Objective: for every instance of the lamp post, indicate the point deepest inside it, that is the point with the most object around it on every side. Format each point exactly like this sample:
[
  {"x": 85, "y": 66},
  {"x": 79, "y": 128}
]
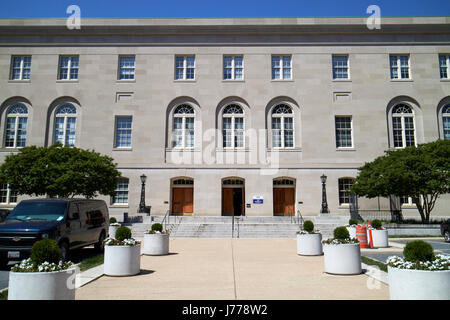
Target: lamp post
[
  {"x": 324, "y": 208},
  {"x": 142, "y": 207}
]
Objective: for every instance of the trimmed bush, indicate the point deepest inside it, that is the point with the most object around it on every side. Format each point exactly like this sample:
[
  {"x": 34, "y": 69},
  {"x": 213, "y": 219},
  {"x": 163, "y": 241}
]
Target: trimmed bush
[
  {"x": 341, "y": 233},
  {"x": 376, "y": 224},
  {"x": 112, "y": 220},
  {"x": 157, "y": 227},
  {"x": 46, "y": 250},
  {"x": 352, "y": 222},
  {"x": 418, "y": 250},
  {"x": 308, "y": 226},
  {"x": 123, "y": 233}
]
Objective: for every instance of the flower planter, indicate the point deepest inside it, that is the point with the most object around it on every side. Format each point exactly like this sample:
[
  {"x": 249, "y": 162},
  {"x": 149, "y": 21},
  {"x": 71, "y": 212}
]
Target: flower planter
[
  {"x": 342, "y": 258},
  {"x": 55, "y": 285},
  {"x": 156, "y": 244},
  {"x": 379, "y": 237},
  {"x": 122, "y": 260},
  {"x": 112, "y": 231},
  {"x": 407, "y": 284},
  {"x": 352, "y": 232},
  {"x": 309, "y": 244}
]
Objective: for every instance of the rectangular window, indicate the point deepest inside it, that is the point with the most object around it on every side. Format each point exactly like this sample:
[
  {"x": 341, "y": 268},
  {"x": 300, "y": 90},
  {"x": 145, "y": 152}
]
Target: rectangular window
[
  {"x": 281, "y": 68},
  {"x": 399, "y": 66},
  {"x": 121, "y": 192},
  {"x": 343, "y": 125},
  {"x": 446, "y": 127},
  {"x": 16, "y": 132},
  {"x": 7, "y": 195},
  {"x": 345, "y": 185},
  {"x": 68, "y": 68},
  {"x": 184, "y": 67},
  {"x": 126, "y": 67},
  {"x": 444, "y": 63},
  {"x": 406, "y": 201},
  {"x": 233, "y": 67},
  {"x": 123, "y": 132},
  {"x": 20, "y": 68},
  {"x": 340, "y": 67}
]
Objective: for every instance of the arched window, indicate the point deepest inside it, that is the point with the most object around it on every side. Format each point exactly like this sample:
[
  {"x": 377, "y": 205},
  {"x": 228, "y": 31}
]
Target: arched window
[
  {"x": 446, "y": 121},
  {"x": 65, "y": 124},
  {"x": 282, "y": 127},
  {"x": 233, "y": 126},
  {"x": 16, "y": 126},
  {"x": 183, "y": 126},
  {"x": 403, "y": 126}
]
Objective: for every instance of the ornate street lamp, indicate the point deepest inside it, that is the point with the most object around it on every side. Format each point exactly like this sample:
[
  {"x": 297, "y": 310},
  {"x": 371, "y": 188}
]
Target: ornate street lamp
[
  {"x": 142, "y": 207},
  {"x": 324, "y": 208}
]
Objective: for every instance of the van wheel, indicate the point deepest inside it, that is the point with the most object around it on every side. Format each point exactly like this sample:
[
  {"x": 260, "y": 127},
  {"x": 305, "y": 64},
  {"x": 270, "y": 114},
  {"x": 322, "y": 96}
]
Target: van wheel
[
  {"x": 64, "y": 248},
  {"x": 447, "y": 236},
  {"x": 100, "y": 245}
]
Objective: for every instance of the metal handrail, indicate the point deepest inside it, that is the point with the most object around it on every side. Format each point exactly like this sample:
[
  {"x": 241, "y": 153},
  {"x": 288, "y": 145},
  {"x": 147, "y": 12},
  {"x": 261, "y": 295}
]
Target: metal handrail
[
  {"x": 164, "y": 222},
  {"x": 300, "y": 219}
]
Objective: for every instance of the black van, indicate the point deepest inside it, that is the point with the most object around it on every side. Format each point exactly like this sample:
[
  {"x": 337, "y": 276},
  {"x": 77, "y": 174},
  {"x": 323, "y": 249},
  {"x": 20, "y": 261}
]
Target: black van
[{"x": 73, "y": 223}]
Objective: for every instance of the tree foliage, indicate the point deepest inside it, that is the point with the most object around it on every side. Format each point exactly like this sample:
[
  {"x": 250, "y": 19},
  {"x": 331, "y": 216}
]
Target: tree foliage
[
  {"x": 59, "y": 171},
  {"x": 422, "y": 173}
]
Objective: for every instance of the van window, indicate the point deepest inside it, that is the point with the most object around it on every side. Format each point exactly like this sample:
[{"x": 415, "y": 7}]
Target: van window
[{"x": 47, "y": 211}]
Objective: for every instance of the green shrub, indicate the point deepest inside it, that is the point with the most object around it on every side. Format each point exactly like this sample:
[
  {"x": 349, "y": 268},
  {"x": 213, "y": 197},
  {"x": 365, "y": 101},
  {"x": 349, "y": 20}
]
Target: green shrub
[
  {"x": 157, "y": 227},
  {"x": 112, "y": 220},
  {"x": 376, "y": 224},
  {"x": 46, "y": 250},
  {"x": 308, "y": 226},
  {"x": 123, "y": 233},
  {"x": 341, "y": 233},
  {"x": 418, "y": 250},
  {"x": 352, "y": 222}
]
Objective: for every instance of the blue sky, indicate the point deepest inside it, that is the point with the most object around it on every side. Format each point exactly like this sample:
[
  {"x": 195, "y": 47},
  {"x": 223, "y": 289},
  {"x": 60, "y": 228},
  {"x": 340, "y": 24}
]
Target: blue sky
[{"x": 221, "y": 8}]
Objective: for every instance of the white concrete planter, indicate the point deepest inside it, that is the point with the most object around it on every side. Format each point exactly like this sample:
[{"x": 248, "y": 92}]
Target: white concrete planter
[
  {"x": 342, "y": 258},
  {"x": 156, "y": 244},
  {"x": 379, "y": 237},
  {"x": 405, "y": 284},
  {"x": 122, "y": 260},
  {"x": 112, "y": 231},
  {"x": 55, "y": 285},
  {"x": 352, "y": 231},
  {"x": 309, "y": 244}
]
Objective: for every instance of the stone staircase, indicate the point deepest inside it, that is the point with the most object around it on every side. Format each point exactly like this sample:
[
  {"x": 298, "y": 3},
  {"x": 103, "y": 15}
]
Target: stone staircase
[{"x": 244, "y": 227}]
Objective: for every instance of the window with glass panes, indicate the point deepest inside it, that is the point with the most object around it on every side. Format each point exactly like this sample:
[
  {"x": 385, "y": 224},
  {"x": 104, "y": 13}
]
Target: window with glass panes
[
  {"x": 126, "y": 67},
  {"x": 123, "y": 132},
  {"x": 444, "y": 64},
  {"x": 233, "y": 126},
  {"x": 233, "y": 68},
  {"x": 282, "y": 127},
  {"x": 344, "y": 190},
  {"x": 65, "y": 125},
  {"x": 403, "y": 126},
  {"x": 121, "y": 192},
  {"x": 340, "y": 67},
  {"x": 399, "y": 66},
  {"x": 183, "y": 126},
  {"x": 343, "y": 126},
  {"x": 7, "y": 195},
  {"x": 184, "y": 67},
  {"x": 68, "y": 68},
  {"x": 16, "y": 126},
  {"x": 446, "y": 121},
  {"x": 281, "y": 67},
  {"x": 21, "y": 68}
]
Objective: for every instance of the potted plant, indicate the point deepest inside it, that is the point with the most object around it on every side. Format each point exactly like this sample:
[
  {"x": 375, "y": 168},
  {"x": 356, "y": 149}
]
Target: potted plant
[
  {"x": 113, "y": 226},
  {"x": 122, "y": 254},
  {"x": 309, "y": 243},
  {"x": 379, "y": 234},
  {"x": 43, "y": 276},
  {"x": 156, "y": 241},
  {"x": 351, "y": 227},
  {"x": 420, "y": 274},
  {"x": 342, "y": 254}
]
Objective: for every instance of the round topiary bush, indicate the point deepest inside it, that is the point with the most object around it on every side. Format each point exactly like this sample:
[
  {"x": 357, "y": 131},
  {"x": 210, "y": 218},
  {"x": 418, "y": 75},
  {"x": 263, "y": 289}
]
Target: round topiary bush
[
  {"x": 308, "y": 226},
  {"x": 341, "y": 233},
  {"x": 418, "y": 250},
  {"x": 46, "y": 250},
  {"x": 376, "y": 224},
  {"x": 112, "y": 220},
  {"x": 352, "y": 222},
  {"x": 157, "y": 227},
  {"x": 123, "y": 233}
]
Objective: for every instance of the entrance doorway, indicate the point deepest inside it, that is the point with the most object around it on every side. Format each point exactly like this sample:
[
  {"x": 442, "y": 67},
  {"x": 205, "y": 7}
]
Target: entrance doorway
[
  {"x": 183, "y": 197},
  {"x": 233, "y": 197},
  {"x": 284, "y": 197}
]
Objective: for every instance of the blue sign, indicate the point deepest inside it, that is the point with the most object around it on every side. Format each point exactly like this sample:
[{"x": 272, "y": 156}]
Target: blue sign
[{"x": 258, "y": 199}]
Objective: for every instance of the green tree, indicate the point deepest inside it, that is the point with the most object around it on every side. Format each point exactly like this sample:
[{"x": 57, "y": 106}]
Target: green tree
[
  {"x": 421, "y": 173},
  {"x": 58, "y": 171}
]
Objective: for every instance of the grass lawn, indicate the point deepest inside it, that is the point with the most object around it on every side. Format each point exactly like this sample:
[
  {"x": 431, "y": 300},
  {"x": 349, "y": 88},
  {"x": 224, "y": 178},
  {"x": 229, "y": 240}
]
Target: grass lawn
[
  {"x": 372, "y": 262},
  {"x": 91, "y": 262},
  {"x": 413, "y": 236}
]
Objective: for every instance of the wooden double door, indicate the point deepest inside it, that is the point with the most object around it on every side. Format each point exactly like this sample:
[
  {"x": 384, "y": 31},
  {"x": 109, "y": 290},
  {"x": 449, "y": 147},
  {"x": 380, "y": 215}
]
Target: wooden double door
[
  {"x": 183, "y": 201},
  {"x": 233, "y": 201},
  {"x": 283, "y": 201}
]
